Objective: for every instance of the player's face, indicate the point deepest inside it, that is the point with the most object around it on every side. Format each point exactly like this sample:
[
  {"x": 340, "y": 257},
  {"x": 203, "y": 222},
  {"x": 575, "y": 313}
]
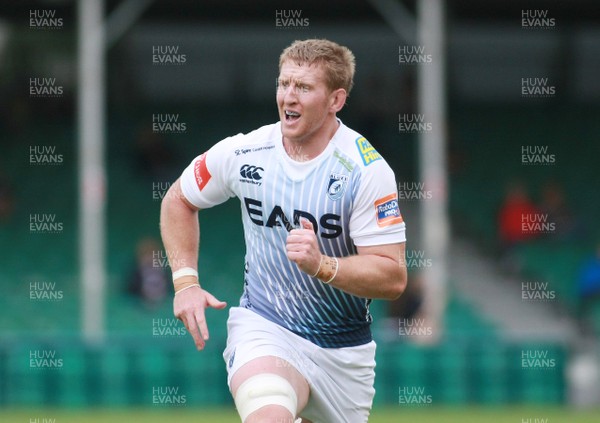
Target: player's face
[{"x": 304, "y": 102}]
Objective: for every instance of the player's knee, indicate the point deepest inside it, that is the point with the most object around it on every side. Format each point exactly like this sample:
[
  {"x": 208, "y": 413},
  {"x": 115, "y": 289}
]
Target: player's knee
[
  {"x": 271, "y": 414},
  {"x": 263, "y": 390}
]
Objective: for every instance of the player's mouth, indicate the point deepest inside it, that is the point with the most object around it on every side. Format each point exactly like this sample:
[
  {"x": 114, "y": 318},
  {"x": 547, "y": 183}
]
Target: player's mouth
[{"x": 291, "y": 116}]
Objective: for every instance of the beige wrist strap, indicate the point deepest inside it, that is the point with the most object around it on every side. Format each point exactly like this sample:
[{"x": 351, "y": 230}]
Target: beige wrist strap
[
  {"x": 185, "y": 282},
  {"x": 328, "y": 269}
]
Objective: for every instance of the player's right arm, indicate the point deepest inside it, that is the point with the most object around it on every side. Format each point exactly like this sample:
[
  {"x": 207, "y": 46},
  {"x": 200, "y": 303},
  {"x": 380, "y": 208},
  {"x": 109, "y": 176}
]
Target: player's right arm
[
  {"x": 203, "y": 184},
  {"x": 180, "y": 231}
]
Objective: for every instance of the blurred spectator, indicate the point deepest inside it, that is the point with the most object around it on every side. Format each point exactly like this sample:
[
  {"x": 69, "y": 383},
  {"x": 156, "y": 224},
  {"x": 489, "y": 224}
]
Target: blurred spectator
[
  {"x": 516, "y": 206},
  {"x": 588, "y": 283},
  {"x": 404, "y": 310},
  {"x": 555, "y": 207},
  {"x": 512, "y": 216},
  {"x": 456, "y": 153},
  {"x": 148, "y": 279},
  {"x": 7, "y": 202},
  {"x": 409, "y": 303},
  {"x": 14, "y": 114},
  {"x": 152, "y": 156}
]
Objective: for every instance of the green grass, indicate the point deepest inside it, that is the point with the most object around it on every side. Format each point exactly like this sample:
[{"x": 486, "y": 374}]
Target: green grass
[{"x": 388, "y": 415}]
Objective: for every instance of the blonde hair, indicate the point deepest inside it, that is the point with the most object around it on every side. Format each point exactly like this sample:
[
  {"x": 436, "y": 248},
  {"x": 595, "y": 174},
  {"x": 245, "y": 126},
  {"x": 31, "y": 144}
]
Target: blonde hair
[{"x": 338, "y": 61}]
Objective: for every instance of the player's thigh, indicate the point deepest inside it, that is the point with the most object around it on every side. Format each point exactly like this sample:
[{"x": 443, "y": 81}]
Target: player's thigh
[{"x": 273, "y": 365}]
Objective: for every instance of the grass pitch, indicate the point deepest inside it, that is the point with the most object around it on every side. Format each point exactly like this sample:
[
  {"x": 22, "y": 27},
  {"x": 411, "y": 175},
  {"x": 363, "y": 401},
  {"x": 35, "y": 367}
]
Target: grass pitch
[{"x": 383, "y": 415}]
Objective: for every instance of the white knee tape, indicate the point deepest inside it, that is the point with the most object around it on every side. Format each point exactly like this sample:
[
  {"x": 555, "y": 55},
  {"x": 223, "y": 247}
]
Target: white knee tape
[{"x": 265, "y": 389}]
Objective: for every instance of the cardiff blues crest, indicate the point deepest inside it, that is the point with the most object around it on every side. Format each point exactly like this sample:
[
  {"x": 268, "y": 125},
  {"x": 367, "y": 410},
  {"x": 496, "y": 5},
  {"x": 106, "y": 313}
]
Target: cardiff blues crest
[{"x": 336, "y": 186}]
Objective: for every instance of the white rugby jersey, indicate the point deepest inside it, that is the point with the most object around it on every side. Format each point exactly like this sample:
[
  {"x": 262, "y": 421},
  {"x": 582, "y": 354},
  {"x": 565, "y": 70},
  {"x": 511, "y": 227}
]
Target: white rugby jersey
[{"x": 348, "y": 193}]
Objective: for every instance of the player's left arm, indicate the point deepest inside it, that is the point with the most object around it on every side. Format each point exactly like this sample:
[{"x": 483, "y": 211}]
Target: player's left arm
[
  {"x": 377, "y": 229},
  {"x": 377, "y": 271}
]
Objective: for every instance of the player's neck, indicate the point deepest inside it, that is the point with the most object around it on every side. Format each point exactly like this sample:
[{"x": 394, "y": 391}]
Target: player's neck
[{"x": 305, "y": 149}]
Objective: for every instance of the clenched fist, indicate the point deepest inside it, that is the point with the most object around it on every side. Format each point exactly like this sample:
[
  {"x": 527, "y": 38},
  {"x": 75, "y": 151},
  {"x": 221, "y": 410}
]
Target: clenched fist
[{"x": 303, "y": 248}]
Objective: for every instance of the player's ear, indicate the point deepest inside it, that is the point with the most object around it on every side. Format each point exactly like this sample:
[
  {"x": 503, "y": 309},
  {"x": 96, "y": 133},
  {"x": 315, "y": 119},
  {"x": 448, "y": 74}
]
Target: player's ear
[{"x": 337, "y": 99}]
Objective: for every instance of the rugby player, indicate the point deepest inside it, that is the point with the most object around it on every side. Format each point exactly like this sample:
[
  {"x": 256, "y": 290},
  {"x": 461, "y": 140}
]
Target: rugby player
[{"x": 324, "y": 236}]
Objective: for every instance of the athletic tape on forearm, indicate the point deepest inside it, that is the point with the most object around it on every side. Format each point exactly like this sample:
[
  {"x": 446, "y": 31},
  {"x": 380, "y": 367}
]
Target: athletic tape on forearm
[
  {"x": 185, "y": 282},
  {"x": 184, "y": 271},
  {"x": 328, "y": 269}
]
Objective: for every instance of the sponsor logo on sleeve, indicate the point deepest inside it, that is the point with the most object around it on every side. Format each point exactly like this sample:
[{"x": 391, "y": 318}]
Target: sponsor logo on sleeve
[
  {"x": 388, "y": 211},
  {"x": 336, "y": 186},
  {"x": 201, "y": 172},
  {"x": 367, "y": 151}
]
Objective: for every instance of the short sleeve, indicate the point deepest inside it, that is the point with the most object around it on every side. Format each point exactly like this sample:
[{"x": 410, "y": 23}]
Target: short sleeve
[
  {"x": 376, "y": 217},
  {"x": 207, "y": 182}
]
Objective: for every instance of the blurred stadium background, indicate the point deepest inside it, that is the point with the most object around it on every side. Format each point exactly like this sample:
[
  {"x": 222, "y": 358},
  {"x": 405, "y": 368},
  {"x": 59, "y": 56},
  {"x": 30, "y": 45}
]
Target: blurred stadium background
[{"x": 509, "y": 333}]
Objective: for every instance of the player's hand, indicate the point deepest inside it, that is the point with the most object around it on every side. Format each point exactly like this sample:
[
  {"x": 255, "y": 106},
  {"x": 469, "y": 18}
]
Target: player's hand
[
  {"x": 189, "y": 306},
  {"x": 303, "y": 248}
]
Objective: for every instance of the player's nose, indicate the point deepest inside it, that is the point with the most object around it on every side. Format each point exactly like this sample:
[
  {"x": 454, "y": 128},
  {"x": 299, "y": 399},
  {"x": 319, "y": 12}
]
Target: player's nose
[{"x": 290, "y": 95}]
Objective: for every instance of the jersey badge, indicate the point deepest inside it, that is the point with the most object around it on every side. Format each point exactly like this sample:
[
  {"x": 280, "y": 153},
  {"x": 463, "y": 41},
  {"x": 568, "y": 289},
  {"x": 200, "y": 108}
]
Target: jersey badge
[
  {"x": 336, "y": 186},
  {"x": 387, "y": 211}
]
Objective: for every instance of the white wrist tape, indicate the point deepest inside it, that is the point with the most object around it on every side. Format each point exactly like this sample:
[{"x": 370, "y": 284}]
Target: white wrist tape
[{"x": 184, "y": 271}]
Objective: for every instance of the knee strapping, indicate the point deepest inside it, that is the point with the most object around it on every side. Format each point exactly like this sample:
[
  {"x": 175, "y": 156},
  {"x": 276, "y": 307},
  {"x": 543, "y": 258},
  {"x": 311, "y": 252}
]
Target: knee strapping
[{"x": 265, "y": 389}]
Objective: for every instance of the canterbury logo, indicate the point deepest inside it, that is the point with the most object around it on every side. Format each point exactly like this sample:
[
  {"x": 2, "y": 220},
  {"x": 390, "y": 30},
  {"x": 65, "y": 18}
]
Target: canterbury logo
[{"x": 251, "y": 172}]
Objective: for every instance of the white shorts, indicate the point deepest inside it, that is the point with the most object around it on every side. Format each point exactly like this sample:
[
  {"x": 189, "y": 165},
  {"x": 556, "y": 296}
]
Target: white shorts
[{"x": 340, "y": 379}]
